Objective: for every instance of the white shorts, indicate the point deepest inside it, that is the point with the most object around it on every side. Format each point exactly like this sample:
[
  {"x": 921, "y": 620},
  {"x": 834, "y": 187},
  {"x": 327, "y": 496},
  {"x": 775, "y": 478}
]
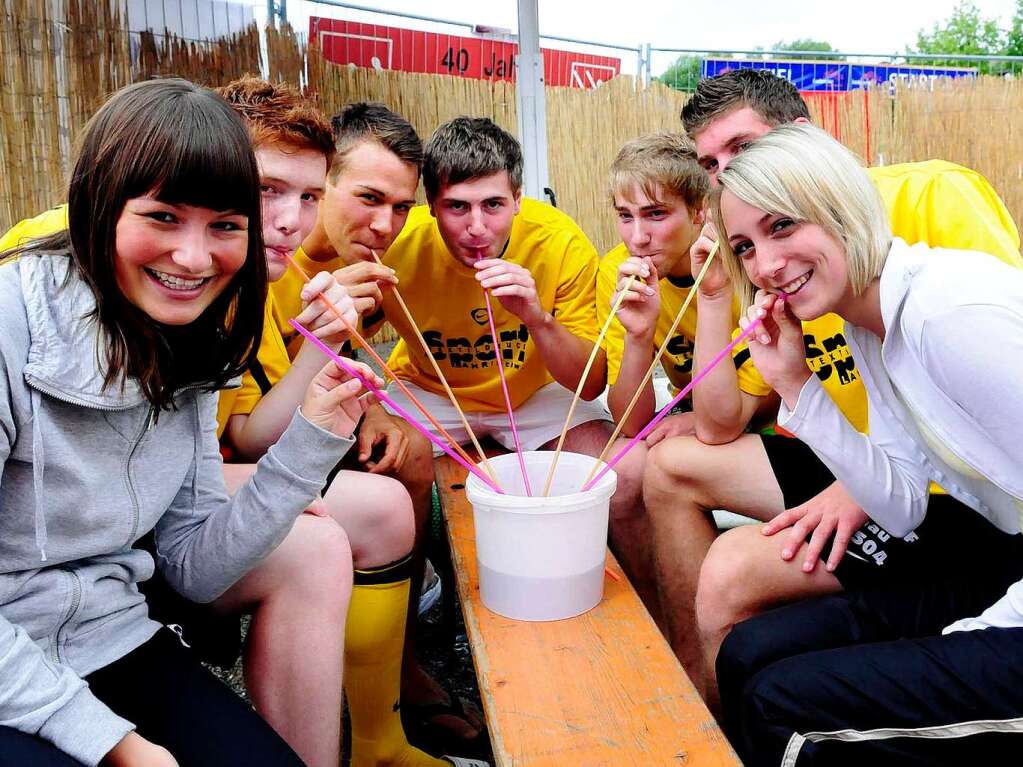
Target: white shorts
[{"x": 539, "y": 419}]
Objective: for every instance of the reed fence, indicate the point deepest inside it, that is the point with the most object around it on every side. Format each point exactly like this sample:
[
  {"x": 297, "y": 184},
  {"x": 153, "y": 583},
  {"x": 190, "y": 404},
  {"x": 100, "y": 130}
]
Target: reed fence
[{"x": 60, "y": 58}]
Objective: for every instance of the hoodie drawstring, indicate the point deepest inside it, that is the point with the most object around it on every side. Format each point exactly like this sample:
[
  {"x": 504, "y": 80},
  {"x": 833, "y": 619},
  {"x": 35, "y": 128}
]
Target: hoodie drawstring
[{"x": 38, "y": 467}]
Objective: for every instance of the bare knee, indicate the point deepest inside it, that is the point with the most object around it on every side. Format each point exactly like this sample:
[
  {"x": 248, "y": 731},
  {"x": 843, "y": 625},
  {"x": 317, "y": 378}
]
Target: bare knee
[
  {"x": 318, "y": 561},
  {"x": 376, "y": 512},
  {"x": 627, "y": 502},
  {"x": 728, "y": 590},
  {"x": 587, "y": 438},
  {"x": 416, "y": 473},
  {"x": 677, "y": 469}
]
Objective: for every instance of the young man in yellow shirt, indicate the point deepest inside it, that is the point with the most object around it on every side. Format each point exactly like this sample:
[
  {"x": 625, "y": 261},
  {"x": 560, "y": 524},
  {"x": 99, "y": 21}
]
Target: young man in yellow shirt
[
  {"x": 658, "y": 191},
  {"x": 705, "y": 589},
  {"x": 369, "y": 194},
  {"x": 479, "y": 233}
]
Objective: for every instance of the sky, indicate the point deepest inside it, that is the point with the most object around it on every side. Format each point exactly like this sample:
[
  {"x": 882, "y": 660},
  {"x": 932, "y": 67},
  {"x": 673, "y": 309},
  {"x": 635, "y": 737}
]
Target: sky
[{"x": 863, "y": 26}]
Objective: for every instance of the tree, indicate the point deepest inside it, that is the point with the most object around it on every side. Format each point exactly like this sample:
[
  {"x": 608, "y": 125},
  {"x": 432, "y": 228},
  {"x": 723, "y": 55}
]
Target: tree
[
  {"x": 808, "y": 44},
  {"x": 683, "y": 74},
  {"x": 1014, "y": 38},
  {"x": 964, "y": 32}
]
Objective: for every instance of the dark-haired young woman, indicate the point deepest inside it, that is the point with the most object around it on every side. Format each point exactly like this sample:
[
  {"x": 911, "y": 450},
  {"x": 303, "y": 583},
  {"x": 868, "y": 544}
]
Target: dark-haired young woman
[{"x": 117, "y": 334}]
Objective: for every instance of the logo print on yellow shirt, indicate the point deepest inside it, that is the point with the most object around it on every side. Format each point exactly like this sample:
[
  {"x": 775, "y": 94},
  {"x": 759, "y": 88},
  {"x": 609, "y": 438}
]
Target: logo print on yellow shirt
[
  {"x": 462, "y": 352},
  {"x": 830, "y": 356},
  {"x": 479, "y": 315},
  {"x": 681, "y": 349}
]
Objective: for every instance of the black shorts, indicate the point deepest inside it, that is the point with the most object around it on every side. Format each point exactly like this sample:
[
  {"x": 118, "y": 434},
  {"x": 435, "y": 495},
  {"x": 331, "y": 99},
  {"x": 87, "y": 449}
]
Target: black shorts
[{"x": 952, "y": 537}]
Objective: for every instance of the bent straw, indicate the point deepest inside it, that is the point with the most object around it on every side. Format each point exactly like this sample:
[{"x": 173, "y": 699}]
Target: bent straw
[
  {"x": 436, "y": 369},
  {"x": 376, "y": 358},
  {"x": 653, "y": 365},
  {"x": 582, "y": 382},
  {"x": 382, "y": 396},
  {"x": 678, "y": 397},
  {"x": 499, "y": 356}
]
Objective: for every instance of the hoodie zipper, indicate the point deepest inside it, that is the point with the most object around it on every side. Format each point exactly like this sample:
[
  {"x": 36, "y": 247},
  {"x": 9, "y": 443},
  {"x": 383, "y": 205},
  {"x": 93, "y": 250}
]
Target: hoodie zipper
[
  {"x": 147, "y": 426},
  {"x": 76, "y": 601}
]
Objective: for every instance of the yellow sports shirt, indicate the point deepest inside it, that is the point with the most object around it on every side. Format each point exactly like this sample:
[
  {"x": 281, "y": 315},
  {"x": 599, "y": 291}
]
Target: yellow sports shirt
[
  {"x": 43, "y": 225},
  {"x": 937, "y": 202},
  {"x": 272, "y": 362},
  {"x": 447, "y": 303},
  {"x": 272, "y": 358},
  {"x": 678, "y": 355},
  {"x": 287, "y": 291}
]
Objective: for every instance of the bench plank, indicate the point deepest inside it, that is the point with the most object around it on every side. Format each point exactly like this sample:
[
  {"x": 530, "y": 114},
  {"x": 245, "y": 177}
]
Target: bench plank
[{"x": 600, "y": 690}]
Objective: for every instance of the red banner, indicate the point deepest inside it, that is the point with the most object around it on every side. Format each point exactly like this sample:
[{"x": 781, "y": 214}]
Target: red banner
[{"x": 407, "y": 50}]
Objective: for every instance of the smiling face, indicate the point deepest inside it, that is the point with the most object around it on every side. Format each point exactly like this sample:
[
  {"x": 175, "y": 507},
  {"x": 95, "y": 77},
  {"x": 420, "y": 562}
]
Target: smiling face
[
  {"x": 475, "y": 217},
  {"x": 291, "y": 183},
  {"x": 172, "y": 261},
  {"x": 724, "y": 137},
  {"x": 782, "y": 255},
  {"x": 662, "y": 229},
  {"x": 366, "y": 205}
]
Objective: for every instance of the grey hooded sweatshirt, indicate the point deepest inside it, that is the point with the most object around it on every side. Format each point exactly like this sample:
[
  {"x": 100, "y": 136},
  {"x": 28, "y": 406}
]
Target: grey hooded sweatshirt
[{"x": 89, "y": 470}]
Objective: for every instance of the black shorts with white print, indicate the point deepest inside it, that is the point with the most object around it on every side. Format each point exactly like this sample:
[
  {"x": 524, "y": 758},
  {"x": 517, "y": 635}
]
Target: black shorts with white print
[{"x": 952, "y": 536}]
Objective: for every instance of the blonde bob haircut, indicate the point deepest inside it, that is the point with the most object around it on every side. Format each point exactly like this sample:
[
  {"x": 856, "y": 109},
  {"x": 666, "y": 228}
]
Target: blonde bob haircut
[
  {"x": 665, "y": 160},
  {"x": 801, "y": 172}
]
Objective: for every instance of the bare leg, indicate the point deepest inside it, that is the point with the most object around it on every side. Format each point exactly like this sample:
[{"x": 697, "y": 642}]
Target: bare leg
[
  {"x": 743, "y": 574},
  {"x": 298, "y": 597},
  {"x": 295, "y": 649},
  {"x": 684, "y": 481}
]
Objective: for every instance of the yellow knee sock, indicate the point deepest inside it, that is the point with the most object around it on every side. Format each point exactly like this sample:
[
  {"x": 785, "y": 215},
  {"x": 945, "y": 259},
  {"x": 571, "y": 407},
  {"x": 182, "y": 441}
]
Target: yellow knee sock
[{"x": 374, "y": 640}]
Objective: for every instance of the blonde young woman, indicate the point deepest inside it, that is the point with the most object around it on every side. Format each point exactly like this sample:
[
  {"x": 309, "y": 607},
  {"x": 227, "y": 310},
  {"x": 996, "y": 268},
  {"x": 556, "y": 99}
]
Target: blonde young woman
[{"x": 919, "y": 673}]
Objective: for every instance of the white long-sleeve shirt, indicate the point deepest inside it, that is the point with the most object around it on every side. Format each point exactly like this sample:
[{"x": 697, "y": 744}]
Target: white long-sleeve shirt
[{"x": 952, "y": 358}]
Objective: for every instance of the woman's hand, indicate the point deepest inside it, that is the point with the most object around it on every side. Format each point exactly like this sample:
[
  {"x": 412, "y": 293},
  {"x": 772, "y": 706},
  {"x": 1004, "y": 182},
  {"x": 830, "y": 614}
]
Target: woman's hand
[
  {"x": 642, "y": 303},
  {"x": 831, "y": 512},
  {"x": 319, "y": 318},
  {"x": 333, "y": 399},
  {"x": 777, "y": 345},
  {"x": 135, "y": 751}
]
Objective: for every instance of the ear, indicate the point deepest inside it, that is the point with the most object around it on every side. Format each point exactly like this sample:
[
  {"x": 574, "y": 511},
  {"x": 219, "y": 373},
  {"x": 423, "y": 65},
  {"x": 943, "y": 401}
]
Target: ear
[
  {"x": 699, "y": 216},
  {"x": 518, "y": 200},
  {"x": 429, "y": 204}
]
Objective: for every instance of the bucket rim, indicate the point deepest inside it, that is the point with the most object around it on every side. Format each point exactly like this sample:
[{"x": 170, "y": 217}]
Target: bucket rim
[{"x": 478, "y": 491}]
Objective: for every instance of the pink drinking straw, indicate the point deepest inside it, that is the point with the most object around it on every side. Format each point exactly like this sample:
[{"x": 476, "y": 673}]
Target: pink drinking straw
[
  {"x": 504, "y": 385},
  {"x": 678, "y": 398},
  {"x": 393, "y": 405}
]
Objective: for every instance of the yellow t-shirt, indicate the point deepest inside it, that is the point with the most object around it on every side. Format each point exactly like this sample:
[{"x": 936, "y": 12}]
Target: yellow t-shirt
[
  {"x": 272, "y": 358},
  {"x": 43, "y": 225},
  {"x": 272, "y": 362},
  {"x": 287, "y": 291},
  {"x": 937, "y": 202},
  {"x": 447, "y": 303},
  {"x": 678, "y": 355}
]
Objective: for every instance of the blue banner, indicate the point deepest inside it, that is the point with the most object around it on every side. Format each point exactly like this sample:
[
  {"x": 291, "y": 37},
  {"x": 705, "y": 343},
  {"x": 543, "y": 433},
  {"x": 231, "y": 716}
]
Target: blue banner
[{"x": 837, "y": 76}]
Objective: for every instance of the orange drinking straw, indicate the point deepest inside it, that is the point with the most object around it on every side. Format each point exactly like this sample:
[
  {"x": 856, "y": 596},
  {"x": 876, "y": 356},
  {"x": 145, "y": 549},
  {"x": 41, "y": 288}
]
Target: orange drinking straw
[
  {"x": 440, "y": 375},
  {"x": 376, "y": 357}
]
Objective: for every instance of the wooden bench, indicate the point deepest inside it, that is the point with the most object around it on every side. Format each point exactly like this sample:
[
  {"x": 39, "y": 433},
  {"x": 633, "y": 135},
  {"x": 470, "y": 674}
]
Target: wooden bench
[{"x": 600, "y": 690}]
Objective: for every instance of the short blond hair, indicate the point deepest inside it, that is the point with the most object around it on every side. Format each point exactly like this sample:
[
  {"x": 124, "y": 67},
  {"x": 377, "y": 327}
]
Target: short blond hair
[
  {"x": 802, "y": 172},
  {"x": 660, "y": 159}
]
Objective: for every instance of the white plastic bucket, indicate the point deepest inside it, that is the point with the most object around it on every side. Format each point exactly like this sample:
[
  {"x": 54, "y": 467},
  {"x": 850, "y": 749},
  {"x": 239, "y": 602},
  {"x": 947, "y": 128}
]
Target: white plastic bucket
[{"x": 541, "y": 559}]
